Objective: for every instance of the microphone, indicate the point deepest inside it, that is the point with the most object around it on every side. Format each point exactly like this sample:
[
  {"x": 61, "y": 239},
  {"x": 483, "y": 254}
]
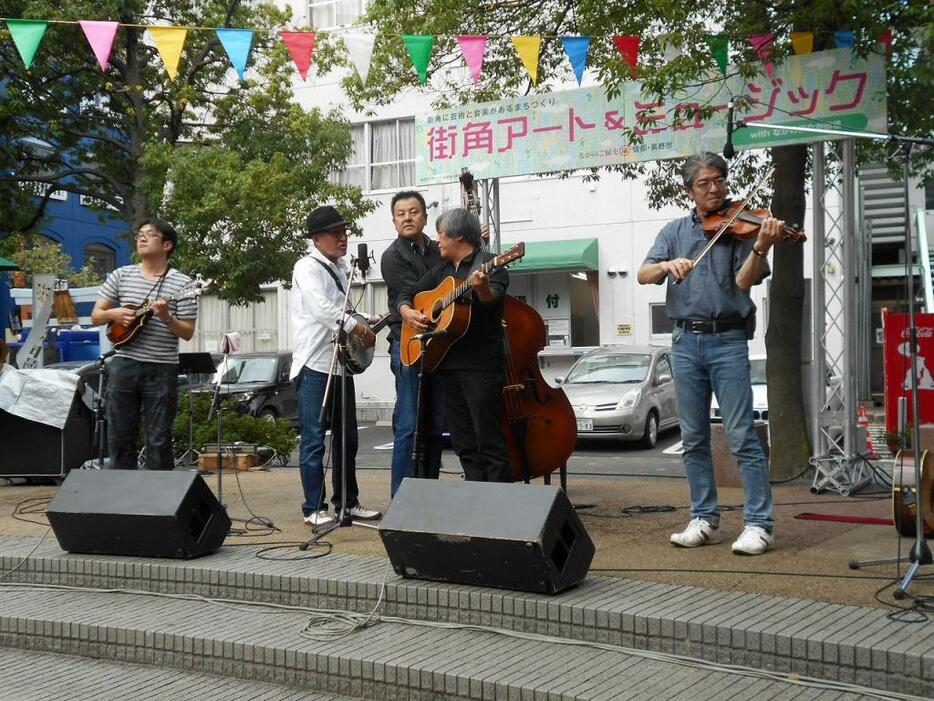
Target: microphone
[
  {"x": 429, "y": 334},
  {"x": 728, "y": 150},
  {"x": 431, "y": 205},
  {"x": 363, "y": 258}
]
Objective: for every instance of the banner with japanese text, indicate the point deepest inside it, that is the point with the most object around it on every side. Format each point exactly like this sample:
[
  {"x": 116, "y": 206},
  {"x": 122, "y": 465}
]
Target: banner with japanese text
[{"x": 584, "y": 129}]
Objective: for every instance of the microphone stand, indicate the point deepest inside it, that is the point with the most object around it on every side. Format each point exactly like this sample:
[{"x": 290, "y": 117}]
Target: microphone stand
[
  {"x": 920, "y": 552},
  {"x": 344, "y": 519},
  {"x": 418, "y": 440},
  {"x": 100, "y": 419},
  {"x": 217, "y": 407}
]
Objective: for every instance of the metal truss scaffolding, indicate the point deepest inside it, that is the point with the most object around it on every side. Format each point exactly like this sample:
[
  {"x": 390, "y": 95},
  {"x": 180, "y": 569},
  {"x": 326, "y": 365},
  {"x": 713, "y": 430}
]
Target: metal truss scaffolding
[{"x": 836, "y": 300}]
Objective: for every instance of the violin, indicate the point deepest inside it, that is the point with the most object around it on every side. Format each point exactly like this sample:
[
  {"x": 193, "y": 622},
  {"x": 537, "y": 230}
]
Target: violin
[
  {"x": 744, "y": 223},
  {"x": 739, "y": 220}
]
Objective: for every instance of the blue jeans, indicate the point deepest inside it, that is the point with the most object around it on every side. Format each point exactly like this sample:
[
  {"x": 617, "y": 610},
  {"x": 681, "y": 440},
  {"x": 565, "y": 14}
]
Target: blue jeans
[
  {"x": 719, "y": 362},
  {"x": 150, "y": 389},
  {"x": 309, "y": 387},
  {"x": 403, "y": 420}
]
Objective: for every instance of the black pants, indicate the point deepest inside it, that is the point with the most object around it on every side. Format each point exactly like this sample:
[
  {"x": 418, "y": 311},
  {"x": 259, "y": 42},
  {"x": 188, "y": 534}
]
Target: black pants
[
  {"x": 474, "y": 407},
  {"x": 150, "y": 389}
]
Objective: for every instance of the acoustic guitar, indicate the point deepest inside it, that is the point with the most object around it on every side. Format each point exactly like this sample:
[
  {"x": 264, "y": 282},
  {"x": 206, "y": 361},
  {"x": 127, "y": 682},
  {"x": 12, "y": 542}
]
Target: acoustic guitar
[
  {"x": 906, "y": 497},
  {"x": 447, "y": 311},
  {"x": 120, "y": 335}
]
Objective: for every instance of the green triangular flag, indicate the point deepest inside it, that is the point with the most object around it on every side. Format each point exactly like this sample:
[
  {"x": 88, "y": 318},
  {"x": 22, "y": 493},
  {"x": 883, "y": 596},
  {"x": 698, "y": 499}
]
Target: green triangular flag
[
  {"x": 27, "y": 35},
  {"x": 419, "y": 48},
  {"x": 718, "y": 43}
]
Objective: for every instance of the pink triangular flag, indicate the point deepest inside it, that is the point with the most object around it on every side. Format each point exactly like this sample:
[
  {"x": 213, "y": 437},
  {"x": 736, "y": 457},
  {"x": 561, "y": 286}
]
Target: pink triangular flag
[
  {"x": 100, "y": 36},
  {"x": 473, "y": 47},
  {"x": 762, "y": 43}
]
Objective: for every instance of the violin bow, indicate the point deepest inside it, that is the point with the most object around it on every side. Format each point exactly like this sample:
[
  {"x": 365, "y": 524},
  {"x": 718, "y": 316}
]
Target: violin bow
[{"x": 729, "y": 222}]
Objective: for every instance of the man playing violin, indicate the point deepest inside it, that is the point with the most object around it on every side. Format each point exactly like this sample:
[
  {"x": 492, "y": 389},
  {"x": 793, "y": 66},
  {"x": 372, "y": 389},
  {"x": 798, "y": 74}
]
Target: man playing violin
[
  {"x": 473, "y": 370},
  {"x": 142, "y": 379},
  {"x": 711, "y": 308},
  {"x": 316, "y": 305}
]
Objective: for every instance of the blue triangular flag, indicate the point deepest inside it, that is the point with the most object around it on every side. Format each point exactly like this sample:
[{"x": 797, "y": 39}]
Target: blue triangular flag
[
  {"x": 576, "y": 48},
  {"x": 843, "y": 39},
  {"x": 236, "y": 43}
]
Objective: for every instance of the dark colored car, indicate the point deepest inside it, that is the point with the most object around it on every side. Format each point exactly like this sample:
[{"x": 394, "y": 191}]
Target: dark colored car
[{"x": 259, "y": 383}]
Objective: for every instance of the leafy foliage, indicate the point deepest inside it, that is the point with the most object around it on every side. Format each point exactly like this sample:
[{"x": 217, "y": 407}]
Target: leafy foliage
[
  {"x": 233, "y": 165},
  {"x": 46, "y": 257}
]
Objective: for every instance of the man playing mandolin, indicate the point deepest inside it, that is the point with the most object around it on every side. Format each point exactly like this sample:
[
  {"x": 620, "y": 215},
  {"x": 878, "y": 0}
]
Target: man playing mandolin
[
  {"x": 710, "y": 305},
  {"x": 473, "y": 368},
  {"x": 143, "y": 377}
]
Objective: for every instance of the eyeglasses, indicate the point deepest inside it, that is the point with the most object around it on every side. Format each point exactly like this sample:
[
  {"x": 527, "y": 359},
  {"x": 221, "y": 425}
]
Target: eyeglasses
[
  {"x": 143, "y": 237},
  {"x": 705, "y": 184}
]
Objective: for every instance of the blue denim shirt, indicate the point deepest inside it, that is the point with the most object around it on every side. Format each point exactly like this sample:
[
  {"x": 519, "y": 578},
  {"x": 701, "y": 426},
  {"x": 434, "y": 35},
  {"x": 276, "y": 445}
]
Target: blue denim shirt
[{"x": 710, "y": 290}]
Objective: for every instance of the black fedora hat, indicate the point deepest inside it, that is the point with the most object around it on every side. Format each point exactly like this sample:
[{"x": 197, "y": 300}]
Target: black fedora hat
[{"x": 323, "y": 218}]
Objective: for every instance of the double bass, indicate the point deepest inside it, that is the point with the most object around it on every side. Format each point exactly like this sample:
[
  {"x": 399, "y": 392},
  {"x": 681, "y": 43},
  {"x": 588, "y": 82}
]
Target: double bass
[{"x": 538, "y": 421}]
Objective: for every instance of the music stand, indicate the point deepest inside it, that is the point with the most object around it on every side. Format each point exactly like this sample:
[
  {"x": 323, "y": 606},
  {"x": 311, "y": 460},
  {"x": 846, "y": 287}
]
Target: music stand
[{"x": 189, "y": 364}]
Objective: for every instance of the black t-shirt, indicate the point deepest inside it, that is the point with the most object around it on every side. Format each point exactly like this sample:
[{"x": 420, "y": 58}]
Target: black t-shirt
[
  {"x": 481, "y": 348},
  {"x": 401, "y": 265}
]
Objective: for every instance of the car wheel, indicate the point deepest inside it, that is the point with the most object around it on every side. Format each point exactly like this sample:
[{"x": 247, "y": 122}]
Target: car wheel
[
  {"x": 267, "y": 415},
  {"x": 650, "y": 436}
]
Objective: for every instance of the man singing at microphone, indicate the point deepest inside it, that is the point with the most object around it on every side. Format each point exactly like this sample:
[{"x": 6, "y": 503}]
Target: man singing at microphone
[
  {"x": 319, "y": 283},
  {"x": 406, "y": 259},
  {"x": 473, "y": 370}
]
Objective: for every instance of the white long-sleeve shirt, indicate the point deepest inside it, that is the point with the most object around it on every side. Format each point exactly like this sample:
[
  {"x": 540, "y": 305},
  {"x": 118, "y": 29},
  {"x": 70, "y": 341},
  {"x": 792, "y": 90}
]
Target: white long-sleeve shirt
[{"x": 316, "y": 305}]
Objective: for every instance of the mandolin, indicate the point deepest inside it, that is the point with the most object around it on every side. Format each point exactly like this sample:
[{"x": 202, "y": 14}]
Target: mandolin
[
  {"x": 445, "y": 308},
  {"x": 120, "y": 335}
]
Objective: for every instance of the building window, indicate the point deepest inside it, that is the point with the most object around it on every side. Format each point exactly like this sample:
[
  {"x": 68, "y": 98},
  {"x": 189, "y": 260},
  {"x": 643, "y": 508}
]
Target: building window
[
  {"x": 929, "y": 195},
  {"x": 383, "y": 157},
  {"x": 661, "y": 324},
  {"x": 334, "y": 13},
  {"x": 101, "y": 258}
]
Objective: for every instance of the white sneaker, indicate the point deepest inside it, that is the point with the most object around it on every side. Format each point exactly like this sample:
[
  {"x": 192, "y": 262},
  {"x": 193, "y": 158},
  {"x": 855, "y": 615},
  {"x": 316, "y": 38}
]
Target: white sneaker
[
  {"x": 364, "y": 514},
  {"x": 319, "y": 518},
  {"x": 698, "y": 532},
  {"x": 754, "y": 540}
]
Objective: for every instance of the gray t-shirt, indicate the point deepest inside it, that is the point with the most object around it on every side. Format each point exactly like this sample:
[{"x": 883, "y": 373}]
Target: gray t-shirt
[
  {"x": 710, "y": 290},
  {"x": 154, "y": 343}
]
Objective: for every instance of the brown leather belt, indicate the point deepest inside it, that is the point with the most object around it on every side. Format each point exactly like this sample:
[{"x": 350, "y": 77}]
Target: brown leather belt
[{"x": 694, "y": 326}]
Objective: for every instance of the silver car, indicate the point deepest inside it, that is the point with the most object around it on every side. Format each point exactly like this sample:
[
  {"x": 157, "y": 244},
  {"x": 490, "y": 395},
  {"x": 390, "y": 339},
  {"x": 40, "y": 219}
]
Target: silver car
[{"x": 623, "y": 392}]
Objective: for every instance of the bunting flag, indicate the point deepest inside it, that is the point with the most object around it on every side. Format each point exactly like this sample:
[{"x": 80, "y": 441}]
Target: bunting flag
[
  {"x": 670, "y": 50},
  {"x": 719, "y": 48},
  {"x": 27, "y": 35},
  {"x": 576, "y": 48},
  {"x": 360, "y": 47},
  {"x": 528, "y": 49},
  {"x": 843, "y": 39},
  {"x": 419, "y": 48},
  {"x": 628, "y": 47},
  {"x": 100, "y": 36},
  {"x": 169, "y": 42},
  {"x": 300, "y": 46},
  {"x": 802, "y": 42},
  {"x": 236, "y": 43},
  {"x": 473, "y": 47},
  {"x": 762, "y": 43}
]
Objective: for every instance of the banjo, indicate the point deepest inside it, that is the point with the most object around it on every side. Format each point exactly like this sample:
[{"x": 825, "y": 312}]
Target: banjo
[{"x": 351, "y": 350}]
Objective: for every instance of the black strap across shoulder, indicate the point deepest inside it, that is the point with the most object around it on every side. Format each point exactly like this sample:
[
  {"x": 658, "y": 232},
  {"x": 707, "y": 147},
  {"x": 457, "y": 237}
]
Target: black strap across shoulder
[{"x": 331, "y": 273}]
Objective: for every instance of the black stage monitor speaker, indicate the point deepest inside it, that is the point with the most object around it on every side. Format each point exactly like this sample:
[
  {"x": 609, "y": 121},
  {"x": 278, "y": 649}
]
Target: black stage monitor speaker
[
  {"x": 31, "y": 449},
  {"x": 137, "y": 512},
  {"x": 513, "y": 536}
]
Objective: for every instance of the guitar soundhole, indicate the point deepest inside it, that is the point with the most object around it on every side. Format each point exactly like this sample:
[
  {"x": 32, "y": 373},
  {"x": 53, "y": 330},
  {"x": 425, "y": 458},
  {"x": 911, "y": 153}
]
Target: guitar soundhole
[{"x": 436, "y": 311}]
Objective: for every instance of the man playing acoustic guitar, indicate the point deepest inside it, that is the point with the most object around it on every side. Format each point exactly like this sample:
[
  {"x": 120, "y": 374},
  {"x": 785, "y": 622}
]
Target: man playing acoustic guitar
[
  {"x": 473, "y": 369},
  {"x": 143, "y": 375}
]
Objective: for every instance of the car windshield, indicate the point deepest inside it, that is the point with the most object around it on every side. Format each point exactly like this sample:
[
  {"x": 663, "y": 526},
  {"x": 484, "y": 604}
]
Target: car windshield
[
  {"x": 623, "y": 367},
  {"x": 757, "y": 371},
  {"x": 240, "y": 370}
]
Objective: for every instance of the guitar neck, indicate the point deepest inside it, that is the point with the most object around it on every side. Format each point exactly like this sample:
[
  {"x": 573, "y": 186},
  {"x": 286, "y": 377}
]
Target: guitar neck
[{"x": 462, "y": 289}]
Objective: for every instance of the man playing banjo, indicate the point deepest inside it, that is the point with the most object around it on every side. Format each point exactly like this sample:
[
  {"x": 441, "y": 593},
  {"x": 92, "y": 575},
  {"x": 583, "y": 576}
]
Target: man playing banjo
[{"x": 319, "y": 282}]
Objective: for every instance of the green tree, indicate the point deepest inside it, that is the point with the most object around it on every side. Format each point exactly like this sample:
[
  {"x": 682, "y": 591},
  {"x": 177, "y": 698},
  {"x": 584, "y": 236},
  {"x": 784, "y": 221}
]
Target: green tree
[
  {"x": 234, "y": 166},
  {"x": 909, "y": 85}
]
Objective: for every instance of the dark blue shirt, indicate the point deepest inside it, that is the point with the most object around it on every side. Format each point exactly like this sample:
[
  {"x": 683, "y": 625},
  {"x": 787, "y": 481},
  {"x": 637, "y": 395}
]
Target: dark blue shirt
[
  {"x": 709, "y": 291},
  {"x": 401, "y": 265}
]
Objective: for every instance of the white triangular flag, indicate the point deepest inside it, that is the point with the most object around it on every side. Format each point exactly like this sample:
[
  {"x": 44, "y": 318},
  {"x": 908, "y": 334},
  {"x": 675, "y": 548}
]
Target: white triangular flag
[{"x": 360, "y": 47}]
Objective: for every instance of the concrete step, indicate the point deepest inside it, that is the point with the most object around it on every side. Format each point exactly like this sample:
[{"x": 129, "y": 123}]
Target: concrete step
[
  {"x": 39, "y": 676},
  {"x": 387, "y": 661},
  {"x": 841, "y": 643}
]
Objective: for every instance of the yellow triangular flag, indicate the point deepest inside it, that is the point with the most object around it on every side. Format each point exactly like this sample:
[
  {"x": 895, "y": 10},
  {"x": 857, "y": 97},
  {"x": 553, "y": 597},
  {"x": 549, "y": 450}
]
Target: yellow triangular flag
[
  {"x": 802, "y": 42},
  {"x": 169, "y": 41},
  {"x": 528, "y": 48}
]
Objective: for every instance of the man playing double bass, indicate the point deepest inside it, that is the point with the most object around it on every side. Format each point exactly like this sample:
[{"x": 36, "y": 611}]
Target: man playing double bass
[
  {"x": 473, "y": 369},
  {"x": 711, "y": 310}
]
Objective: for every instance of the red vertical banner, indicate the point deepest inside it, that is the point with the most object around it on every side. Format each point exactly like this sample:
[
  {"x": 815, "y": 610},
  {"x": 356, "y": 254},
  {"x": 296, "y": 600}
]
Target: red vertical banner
[{"x": 898, "y": 367}]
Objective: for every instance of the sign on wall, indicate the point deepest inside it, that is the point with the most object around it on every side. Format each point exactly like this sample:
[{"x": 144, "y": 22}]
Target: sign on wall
[
  {"x": 898, "y": 367},
  {"x": 584, "y": 129}
]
